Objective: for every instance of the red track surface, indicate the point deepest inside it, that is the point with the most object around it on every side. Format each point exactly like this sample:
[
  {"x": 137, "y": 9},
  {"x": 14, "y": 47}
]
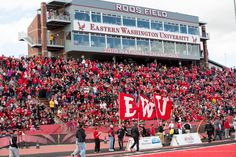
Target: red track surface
[{"x": 228, "y": 150}]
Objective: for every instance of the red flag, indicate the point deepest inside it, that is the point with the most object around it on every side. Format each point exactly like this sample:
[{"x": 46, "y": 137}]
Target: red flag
[
  {"x": 128, "y": 107},
  {"x": 146, "y": 108},
  {"x": 163, "y": 107}
]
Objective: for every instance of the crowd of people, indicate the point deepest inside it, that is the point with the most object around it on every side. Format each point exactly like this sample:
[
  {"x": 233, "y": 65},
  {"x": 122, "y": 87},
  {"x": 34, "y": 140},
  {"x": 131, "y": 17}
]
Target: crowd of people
[{"x": 87, "y": 90}]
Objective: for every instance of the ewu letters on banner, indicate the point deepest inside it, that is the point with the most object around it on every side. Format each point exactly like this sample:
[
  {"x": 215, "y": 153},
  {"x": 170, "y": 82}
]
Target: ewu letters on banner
[{"x": 146, "y": 110}]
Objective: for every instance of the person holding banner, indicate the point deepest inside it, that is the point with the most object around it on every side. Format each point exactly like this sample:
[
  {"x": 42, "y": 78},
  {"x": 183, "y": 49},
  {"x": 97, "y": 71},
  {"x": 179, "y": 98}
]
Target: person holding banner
[{"x": 135, "y": 135}]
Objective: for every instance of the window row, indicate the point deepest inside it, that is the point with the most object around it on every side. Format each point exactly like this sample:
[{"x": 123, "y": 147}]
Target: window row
[
  {"x": 135, "y": 22},
  {"x": 139, "y": 44}
]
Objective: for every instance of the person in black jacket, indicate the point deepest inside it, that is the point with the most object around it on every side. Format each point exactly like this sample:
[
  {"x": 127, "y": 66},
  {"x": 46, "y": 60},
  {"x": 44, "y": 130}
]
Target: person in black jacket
[
  {"x": 13, "y": 147},
  {"x": 209, "y": 128},
  {"x": 121, "y": 134},
  {"x": 135, "y": 135},
  {"x": 80, "y": 136}
]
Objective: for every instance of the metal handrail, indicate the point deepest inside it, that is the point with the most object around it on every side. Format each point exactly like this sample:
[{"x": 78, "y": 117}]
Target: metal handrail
[{"x": 58, "y": 17}]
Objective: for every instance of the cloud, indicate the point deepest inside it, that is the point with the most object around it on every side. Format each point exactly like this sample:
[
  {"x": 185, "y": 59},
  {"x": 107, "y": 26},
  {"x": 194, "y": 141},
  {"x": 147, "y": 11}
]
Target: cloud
[
  {"x": 15, "y": 5},
  {"x": 15, "y": 16},
  {"x": 9, "y": 37}
]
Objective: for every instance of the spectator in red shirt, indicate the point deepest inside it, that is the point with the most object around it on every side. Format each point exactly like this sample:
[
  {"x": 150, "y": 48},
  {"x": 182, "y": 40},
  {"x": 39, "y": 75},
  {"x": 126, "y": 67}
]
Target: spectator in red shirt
[
  {"x": 96, "y": 135},
  {"x": 152, "y": 130},
  {"x": 226, "y": 127}
]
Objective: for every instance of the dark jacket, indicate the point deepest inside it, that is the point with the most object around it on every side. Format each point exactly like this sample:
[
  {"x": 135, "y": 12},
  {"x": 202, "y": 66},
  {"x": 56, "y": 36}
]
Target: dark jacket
[
  {"x": 13, "y": 141},
  {"x": 209, "y": 127},
  {"x": 187, "y": 126},
  {"x": 121, "y": 133},
  {"x": 80, "y": 135},
  {"x": 135, "y": 132}
]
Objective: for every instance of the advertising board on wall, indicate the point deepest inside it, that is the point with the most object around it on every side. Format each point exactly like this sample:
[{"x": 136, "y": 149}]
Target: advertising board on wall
[
  {"x": 101, "y": 28},
  {"x": 186, "y": 139},
  {"x": 146, "y": 143}
]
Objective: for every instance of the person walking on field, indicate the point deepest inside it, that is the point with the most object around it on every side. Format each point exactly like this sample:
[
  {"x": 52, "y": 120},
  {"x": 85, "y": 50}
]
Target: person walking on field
[
  {"x": 135, "y": 135},
  {"x": 13, "y": 147},
  {"x": 80, "y": 135},
  {"x": 121, "y": 134},
  {"x": 96, "y": 135}
]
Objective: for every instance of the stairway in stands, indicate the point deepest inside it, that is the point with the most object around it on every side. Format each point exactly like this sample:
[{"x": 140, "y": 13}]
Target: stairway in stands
[{"x": 56, "y": 118}]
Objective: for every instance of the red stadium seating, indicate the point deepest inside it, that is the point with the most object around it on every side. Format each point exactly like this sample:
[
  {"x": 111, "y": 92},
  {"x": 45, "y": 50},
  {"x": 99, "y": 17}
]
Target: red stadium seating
[{"x": 86, "y": 90}]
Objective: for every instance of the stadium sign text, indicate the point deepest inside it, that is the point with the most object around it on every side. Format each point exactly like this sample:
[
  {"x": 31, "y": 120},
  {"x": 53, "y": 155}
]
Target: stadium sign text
[
  {"x": 141, "y": 53},
  {"x": 134, "y": 32},
  {"x": 140, "y": 10}
]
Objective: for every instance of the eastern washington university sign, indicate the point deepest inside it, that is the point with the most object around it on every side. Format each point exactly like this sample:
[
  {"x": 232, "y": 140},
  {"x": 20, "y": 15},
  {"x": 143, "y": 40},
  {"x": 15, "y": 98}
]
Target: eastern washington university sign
[{"x": 134, "y": 32}]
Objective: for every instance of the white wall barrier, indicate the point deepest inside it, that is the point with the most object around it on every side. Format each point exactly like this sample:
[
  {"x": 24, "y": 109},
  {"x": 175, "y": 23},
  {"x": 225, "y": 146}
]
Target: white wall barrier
[
  {"x": 185, "y": 139},
  {"x": 145, "y": 143}
]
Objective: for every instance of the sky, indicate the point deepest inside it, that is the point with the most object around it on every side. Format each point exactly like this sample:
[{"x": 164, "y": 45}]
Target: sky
[{"x": 16, "y": 15}]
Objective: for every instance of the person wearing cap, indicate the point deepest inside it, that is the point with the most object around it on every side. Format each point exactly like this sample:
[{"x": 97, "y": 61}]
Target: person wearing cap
[
  {"x": 13, "y": 147},
  {"x": 135, "y": 135},
  {"x": 111, "y": 135}
]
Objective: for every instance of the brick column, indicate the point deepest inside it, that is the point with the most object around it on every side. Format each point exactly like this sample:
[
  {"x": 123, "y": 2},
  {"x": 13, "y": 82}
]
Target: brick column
[
  {"x": 204, "y": 42},
  {"x": 44, "y": 29}
]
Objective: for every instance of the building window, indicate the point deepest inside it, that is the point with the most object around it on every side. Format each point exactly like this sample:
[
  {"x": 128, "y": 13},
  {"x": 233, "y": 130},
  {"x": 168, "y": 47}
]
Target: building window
[
  {"x": 183, "y": 29},
  {"x": 129, "y": 21},
  {"x": 157, "y": 25},
  {"x": 181, "y": 48},
  {"x": 169, "y": 47},
  {"x": 193, "y": 30},
  {"x": 142, "y": 23},
  {"x": 193, "y": 50},
  {"x": 96, "y": 17},
  {"x": 156, "y": 46},
  {"x": 171, "y": 27},
  {"x": 98, "y": 40},
  {"x": 81, "y": 39},
  {"x": 113, "y": 42},
  {"x": 111, "y": 19},
  {"x": 143, "y": 45},
  {"x": 82, "y": 15},
  {"x": 128, "y": 43}
]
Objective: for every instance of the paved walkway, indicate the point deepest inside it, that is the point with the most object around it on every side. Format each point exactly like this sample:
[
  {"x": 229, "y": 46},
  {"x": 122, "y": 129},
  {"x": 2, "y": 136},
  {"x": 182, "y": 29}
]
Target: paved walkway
[
  {"x": 58, "y": 149},
  {"x": 66, "y": 150}
]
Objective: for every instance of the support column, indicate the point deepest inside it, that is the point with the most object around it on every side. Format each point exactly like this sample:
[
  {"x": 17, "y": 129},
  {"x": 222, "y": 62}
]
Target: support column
[
  {"x": 204, "y": 42},
  {"x": 44, "y": 29}
]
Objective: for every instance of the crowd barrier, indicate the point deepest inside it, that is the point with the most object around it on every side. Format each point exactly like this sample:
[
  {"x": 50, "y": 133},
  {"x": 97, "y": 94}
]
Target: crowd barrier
[
  {"x": 185, "y": 139},
  {"x": 60, "y": 134},
  {"x": 146, "y": 143}
]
